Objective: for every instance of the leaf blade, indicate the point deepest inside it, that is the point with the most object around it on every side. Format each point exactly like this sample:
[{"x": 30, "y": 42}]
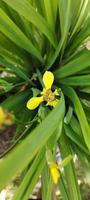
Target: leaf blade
[{"x": 29, "y": 148}]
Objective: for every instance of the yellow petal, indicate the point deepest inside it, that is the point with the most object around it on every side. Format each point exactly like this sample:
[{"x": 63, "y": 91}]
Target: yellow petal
[
  {"x": 56, "y": 92},
  {"x": 44, "y": 91},
  {"x": 54, "y": 172},
  {"x": 48, "y": 79},
  {"x": 2, "y": 116},
  {"x": 34, "y": 102},
  {"x": 53, "y": 103}
]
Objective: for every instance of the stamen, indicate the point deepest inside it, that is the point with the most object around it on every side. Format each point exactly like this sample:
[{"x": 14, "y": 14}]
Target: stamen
[{"x": 49, "y": 96}]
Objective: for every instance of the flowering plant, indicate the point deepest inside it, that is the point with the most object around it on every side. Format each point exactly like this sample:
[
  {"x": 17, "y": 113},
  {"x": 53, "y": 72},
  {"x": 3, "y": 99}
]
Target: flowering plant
[{"x": 45, "y": 44}]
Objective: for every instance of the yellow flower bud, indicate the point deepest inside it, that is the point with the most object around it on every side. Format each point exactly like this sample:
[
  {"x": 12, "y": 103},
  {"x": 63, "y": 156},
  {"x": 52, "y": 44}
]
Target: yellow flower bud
[{"x": 54, "y": 172}]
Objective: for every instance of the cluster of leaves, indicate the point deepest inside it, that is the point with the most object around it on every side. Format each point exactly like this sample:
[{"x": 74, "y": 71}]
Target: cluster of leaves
[{"x": 36, "y": 36}]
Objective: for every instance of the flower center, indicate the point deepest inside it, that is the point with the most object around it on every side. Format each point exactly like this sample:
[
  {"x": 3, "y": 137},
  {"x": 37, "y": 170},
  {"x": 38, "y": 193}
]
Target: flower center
[{"x": 49, "y": 96}]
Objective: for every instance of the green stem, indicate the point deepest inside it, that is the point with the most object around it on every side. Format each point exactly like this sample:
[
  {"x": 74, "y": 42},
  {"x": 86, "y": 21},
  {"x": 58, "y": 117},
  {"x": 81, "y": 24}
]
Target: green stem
[{"x": 69, "y": 170}]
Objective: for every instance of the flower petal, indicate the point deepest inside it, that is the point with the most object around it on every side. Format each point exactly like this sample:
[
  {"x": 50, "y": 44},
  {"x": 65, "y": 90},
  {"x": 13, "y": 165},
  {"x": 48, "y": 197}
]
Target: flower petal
[
  {"x": 54, "y": 172},
  {"x": 2, "y": 116},
  {"x": 48, "y": 79},
  {"x": 53, "y": 103},
  {"x": 34, "y": 102},
  {"x": 44, "y": 91}
]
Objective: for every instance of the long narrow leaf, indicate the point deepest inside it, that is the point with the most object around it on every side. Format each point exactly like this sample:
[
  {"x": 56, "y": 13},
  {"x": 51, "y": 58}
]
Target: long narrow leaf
[
  {"x": 80, "y": 114},
  {"x": 27, "y": 11},
  {"x": 9, "y": 28},
  {"x": 26, "y": 150},
  {"x": 26, "y": 182},
  {"x": 74, "y": 66},
  {"x": 20, "y": 73},
  {"x": 64, "y": 11},
  {"x": 83, "y": 80}
]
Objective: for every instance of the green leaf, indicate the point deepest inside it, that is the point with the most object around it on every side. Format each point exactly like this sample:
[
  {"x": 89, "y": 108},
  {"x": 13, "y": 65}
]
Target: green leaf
[
  {"x": 74, "y": 123},
  {"x": 76, "y": 138},
  {"x": 82, "y": 16},
  {"x": 69, "y": 169},
  {"x": 34, "y": 179},
  {"x": 5, "y": 86},
  {"x": 55, "y": 136},
  {"x": 65, "y": 15},
  {"x": 13, "y": 49},
  {"x": 20, "y": 73},
  {"x": 54, "y": 9},
  {"x": 80, "y": 38},
  {"x": 11, "y": 30},
  {"x": 76, "y": 65},
  {"x": 82, "y": 80},
  {"x": 46, "y": 181},
  {"x": 63, "y": 189},
  {"x": 26, "y": 10},
  {"x": 85, "y": 89},
  {"x": 68, "y": 115},
  {"x": 31, "y": 176},
  {"x": 16, "y": 102},
  {"x": 27, "y": 118},
  {"x": 25, "y": 151},
  {"x": 80, "y": 114},
  {"x": 49, "y": 13},
  {"x": 14, "y": 58}
]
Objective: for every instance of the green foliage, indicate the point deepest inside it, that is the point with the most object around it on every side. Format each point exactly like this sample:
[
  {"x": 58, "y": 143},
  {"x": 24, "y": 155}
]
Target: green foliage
[{"x": 36, "y": 36}]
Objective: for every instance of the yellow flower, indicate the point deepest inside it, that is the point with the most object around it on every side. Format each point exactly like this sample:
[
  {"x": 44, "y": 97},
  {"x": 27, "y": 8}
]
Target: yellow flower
[
  {"x": 54, "y": 172},
  {"x": 6, "y": 118},
  {"x": 2, "y": 116},
  {"x": 47, "y": 94}
]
